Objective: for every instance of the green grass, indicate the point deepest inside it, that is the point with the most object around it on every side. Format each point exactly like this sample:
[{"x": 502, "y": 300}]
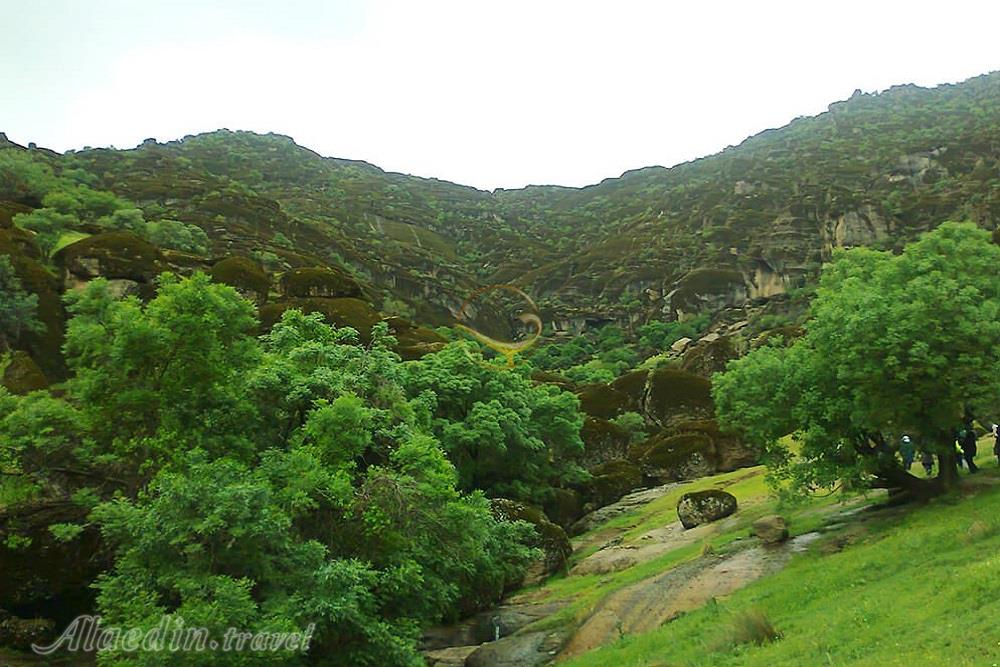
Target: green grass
[
  {"x": 754, "y": 498},
  {"x": 68, "y": 238},
  {"x": 920, "y": 587}
]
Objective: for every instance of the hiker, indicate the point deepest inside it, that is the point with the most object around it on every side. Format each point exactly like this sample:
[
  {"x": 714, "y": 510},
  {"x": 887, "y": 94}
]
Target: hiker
[
  {"x": 967, "y": 439},
  {"x": 907, "y": 450},
  {"x": 927, "y": 461},
  {"x": 996, "y": 442}
]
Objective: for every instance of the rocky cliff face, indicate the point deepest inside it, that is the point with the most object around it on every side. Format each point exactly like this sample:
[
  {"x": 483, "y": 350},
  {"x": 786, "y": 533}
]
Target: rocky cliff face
[{"x": 749, "y": 223}]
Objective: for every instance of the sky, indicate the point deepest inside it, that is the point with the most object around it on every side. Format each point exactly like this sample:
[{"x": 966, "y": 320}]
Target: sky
[{"x": 484, "y": 93}]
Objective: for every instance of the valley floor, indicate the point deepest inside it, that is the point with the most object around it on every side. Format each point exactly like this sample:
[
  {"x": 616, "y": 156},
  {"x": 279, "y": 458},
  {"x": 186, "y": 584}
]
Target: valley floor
[{"x": 859, "y": 583}]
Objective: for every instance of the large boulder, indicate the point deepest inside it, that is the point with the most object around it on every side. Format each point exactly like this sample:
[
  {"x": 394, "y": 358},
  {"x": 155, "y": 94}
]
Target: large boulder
[
  {"x": 519, "y": 650},
  {"x": 677, "y": 394},
  {"x": 707, "y": 289},
  {"x": 412, "y": 341},
  {"x": 603, "y": 401},
  {"x": 319, "y": 282},
  {"x": 633, "y": 386},
  {"x": 20, "y": 374},
  {"x": 700, "y": 507},
  {"x": 602, "y": 442},
  {"x": 563, "y": 507},
  {"x": 609, "y": 482},
  {"x": 113, "y": 255},
  {"x": 550, "y": 538},
  {"x": 8, "y": 209},
  {"x": 729, "y": 452},
  {"x": 709, "y": 356},
  {"x": 771, "y": 529},
  {"x": 245, "y": 275},
  {"x": 670, "y": 457}
]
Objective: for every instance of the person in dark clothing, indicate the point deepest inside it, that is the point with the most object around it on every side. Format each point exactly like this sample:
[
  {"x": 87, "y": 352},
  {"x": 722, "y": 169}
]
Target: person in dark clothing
[
  {"x": 927, "y": 461},
  {"x": 907, "y": 450},
  {"x": 996, "y": 442},
  {"x": 967, "y": 441}
]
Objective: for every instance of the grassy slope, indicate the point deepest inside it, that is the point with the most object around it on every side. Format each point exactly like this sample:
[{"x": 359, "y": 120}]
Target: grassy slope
[
  {"x": 918, "y": 587},
  {"x": 585, "y": 592}
]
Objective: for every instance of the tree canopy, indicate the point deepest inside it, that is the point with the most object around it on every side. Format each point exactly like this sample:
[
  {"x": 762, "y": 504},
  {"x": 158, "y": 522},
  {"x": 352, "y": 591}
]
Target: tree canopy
[
  {"x": 260, "y": 483},
  {"x": 18, "y": 308},
  {"x": 896, "y": 344}
]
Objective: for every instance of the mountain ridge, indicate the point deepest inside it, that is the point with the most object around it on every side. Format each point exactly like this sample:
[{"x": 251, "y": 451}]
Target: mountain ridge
[{"x": 875, "y": 169}]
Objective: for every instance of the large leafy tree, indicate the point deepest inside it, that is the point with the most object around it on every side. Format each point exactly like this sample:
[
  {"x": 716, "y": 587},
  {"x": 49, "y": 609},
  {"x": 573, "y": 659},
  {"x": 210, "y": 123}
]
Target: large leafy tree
[
  {"x": 262, "y": 484},
  {"x": 896, "y": 344},
  {"x": 505, "y": 433}
]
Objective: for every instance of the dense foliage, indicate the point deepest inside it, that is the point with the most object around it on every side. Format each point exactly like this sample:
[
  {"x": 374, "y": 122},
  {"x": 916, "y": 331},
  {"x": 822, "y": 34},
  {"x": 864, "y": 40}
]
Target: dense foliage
[
  {"x": 18, "y": 308},
  {"x": 505, "y": 433},
  {"x": 262, "y": 483},
  {"x": 896, "y": 344}
]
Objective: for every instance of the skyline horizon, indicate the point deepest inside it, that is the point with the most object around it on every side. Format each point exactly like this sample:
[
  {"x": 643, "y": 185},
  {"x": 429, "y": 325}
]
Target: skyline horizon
[{"x": 4, "y": 132}]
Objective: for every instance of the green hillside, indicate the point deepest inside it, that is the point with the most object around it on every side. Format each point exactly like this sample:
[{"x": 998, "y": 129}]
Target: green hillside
[{"x": 244, "y": 385}]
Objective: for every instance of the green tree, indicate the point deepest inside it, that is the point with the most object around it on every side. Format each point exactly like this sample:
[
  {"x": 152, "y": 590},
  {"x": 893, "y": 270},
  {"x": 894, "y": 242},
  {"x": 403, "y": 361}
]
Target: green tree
[
  {"x": 48, "y": 224},
  {"x": 262, "y": 484},
  {"x": 18, "y": 308},
  {"x": 895, "y": 344},
  {"x": 506, "y": 434},
  {"x": 177, "y": 235},
  {"x": 24, "y": 178}
]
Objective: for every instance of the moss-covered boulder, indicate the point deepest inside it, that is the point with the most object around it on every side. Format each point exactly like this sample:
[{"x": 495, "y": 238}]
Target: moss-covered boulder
[
  {"x": 632, "y": 385},
  {"x": 709, "y": 357},
  {"x": 700, "y": 507},
  {"x": 672, "y": 458},
  {"x": 19, "y": 373},
  {"x": 563, "y": 507},
  {"x": 603, "y": 401},
  {"x": 550, "y": 538},
  {"x": 353, "y": 313},
  {"x": 412, "y": 341},
  {"x": 771, "y": 529},
  {"x": 708, "y": 290},
  {"x": 319, "y": 282},
  {"x": 602, "y": 442},
  {"x": 113, "y": 255},
  {"x": 245, "y": 275},
  {"x": 729, "y": 450},
  {"x": 8, "y": 209},
  {"x": 609, "y": 482},
  {"x": 676, "y": 393},
  {"x": 17, "y": 241}
]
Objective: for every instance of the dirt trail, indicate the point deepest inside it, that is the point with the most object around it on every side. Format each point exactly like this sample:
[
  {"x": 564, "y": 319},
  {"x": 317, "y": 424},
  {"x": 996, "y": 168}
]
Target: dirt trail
[{"x": 652, "y": 602}]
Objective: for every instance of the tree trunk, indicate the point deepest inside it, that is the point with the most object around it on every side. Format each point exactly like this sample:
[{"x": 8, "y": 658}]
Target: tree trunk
[
  {"x": 904, "y": 487},
  {"x": 947, "y": 464}
]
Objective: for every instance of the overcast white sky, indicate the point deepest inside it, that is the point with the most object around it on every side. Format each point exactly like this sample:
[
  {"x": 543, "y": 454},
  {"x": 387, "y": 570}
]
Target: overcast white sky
[{"x": 490, "y": 94}]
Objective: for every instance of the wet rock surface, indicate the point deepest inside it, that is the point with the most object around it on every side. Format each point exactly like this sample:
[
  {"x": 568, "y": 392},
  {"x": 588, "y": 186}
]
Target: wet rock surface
[
  {"x": 695, "y": 509},
  {"x": 770, "y": 529}
]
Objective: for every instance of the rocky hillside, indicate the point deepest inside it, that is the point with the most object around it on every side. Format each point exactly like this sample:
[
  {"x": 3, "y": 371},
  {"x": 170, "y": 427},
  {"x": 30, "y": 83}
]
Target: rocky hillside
[
  {"x": 733, "y": 239},
  {"x": 751, "y": 222}
]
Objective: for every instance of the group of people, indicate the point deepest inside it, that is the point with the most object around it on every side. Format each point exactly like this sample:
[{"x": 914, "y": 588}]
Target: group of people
[{"x": 967, "y": 448}]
